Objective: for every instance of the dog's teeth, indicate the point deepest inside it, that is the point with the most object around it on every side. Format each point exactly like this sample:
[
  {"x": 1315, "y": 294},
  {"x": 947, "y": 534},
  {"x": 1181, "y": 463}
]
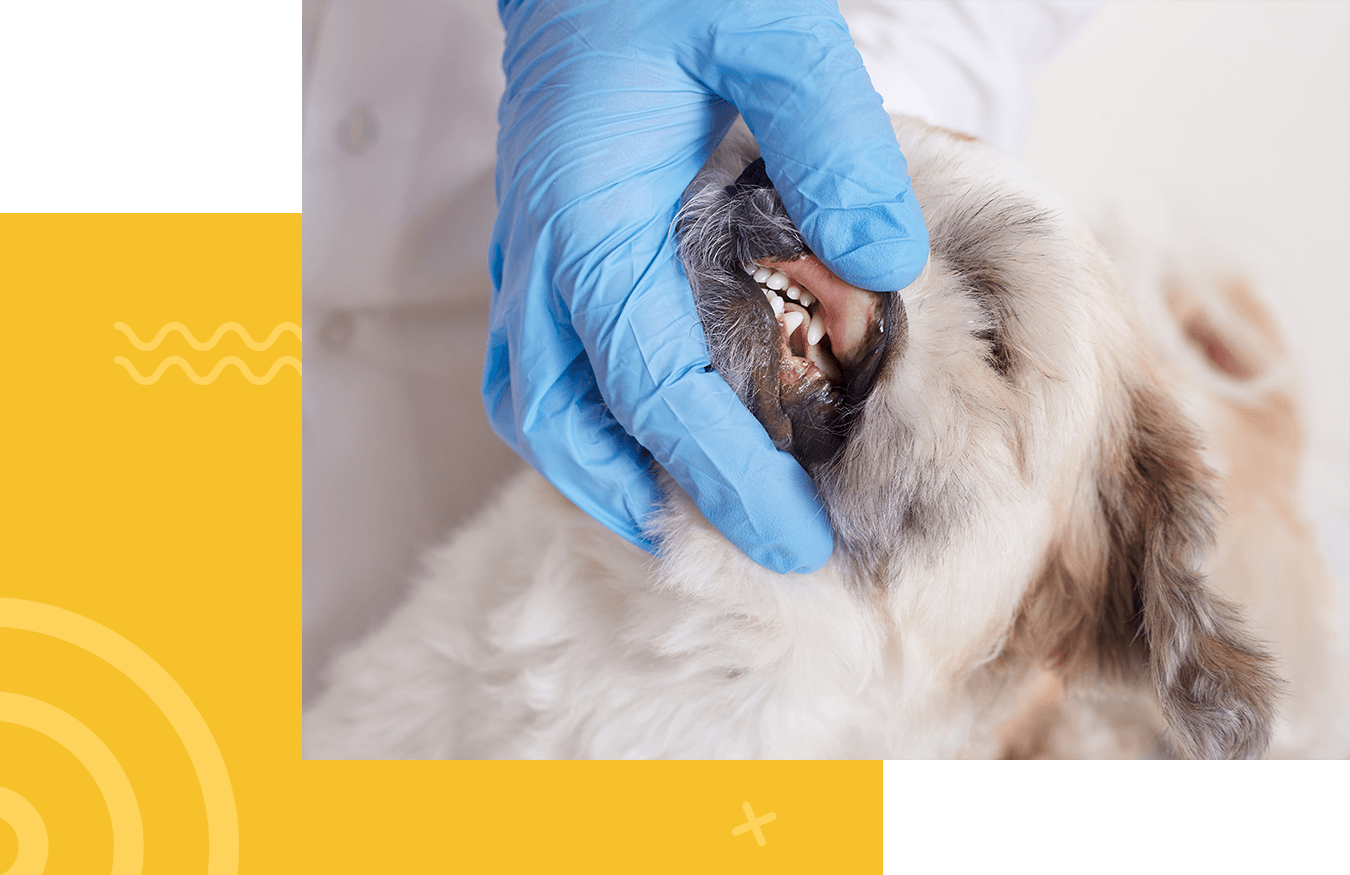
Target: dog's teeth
[
  {"x": 807, "y": 298},
  {"x": 769, "y": 294},
  {"x": 750, "y": 268},
  {"x": 793, "y": 292},
  {"x": 778, "y": 281},
  {"x": 816, "y": 331},
  {"x": 777, "y": 304},
  {"x": 762, "y": 274},
  {"x": 793, "y": 320}
]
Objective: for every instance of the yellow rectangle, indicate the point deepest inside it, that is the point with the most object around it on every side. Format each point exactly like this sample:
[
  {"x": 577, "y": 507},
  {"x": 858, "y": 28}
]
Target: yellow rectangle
[{"x": 152, "y": 552}]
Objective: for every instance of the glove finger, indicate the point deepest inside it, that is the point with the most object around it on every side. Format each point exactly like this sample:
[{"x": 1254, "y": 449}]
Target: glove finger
[
  {"x": 611, "y": 271},
  {"x": 651, "y": 362},
  {"x": 593, "y": 156},
  {"x": 562, "y": 427},
  {"x": 828, "y": 146}
]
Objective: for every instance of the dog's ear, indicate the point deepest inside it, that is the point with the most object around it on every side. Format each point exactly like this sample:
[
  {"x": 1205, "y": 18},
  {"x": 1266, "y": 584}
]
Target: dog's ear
[
  {"x": 1122, "y": 598},
  {"x": 1215, "y": 685}
]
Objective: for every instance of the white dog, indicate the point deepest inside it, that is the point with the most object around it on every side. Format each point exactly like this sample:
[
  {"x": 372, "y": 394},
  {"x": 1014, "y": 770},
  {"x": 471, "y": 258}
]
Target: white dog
[{"x": 1021, "y": 512}]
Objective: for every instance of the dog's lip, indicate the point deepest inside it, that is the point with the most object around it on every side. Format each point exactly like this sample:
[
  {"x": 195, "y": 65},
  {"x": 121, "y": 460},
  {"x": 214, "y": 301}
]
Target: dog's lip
[{"x": 851, "y": 315}]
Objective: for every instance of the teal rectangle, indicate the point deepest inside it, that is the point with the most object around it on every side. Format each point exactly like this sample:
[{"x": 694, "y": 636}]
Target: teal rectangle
[
  {"x": 137, "y": 105},
  {"x": 1115, "y": 817}
]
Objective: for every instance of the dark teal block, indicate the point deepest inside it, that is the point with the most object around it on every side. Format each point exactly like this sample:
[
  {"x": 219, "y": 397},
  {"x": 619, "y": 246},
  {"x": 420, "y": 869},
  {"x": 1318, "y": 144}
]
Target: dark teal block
[{"x": 138, "y": 105}]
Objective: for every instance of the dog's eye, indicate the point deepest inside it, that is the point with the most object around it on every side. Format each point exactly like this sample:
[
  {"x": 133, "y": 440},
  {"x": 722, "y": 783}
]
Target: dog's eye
[
  {"x": 996, "y": 351},
  {"x": 990, "y": 296}
]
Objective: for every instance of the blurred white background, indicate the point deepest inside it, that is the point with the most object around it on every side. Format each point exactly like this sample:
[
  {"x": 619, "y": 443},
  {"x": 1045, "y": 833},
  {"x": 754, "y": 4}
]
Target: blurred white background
[
  {"x": 1222, "y": 123},
  {"x": 1227, "y": 125}
]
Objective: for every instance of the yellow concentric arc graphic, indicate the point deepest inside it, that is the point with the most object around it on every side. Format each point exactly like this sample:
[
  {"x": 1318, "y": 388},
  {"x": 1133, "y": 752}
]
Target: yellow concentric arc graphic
[
  {"x": 20, "y": 814},
  {"x": 222, "y": 820},
  {"x": 198, "y": 345},
  {"x": 107, "y": 772},
  {"x": 215, "y": 338}
]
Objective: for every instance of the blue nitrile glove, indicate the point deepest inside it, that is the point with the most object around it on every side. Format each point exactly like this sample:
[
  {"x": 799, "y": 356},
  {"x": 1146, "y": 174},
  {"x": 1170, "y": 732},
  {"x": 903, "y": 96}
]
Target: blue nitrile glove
[{"x": 595, "y": 349}]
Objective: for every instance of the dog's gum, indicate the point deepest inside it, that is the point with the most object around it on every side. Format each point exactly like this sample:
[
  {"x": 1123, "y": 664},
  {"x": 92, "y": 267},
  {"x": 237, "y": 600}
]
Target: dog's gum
[
  {"x": 848, "y": 314},
  {"x": 800, "y": 360}
]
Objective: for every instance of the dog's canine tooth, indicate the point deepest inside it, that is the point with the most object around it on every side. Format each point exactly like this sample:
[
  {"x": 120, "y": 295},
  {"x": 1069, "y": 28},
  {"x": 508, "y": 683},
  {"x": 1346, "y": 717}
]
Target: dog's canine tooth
[
  {"x": 778, "y": 281},
  {"x": 762, "y": 274},
  {"x": 792, "y": 321},
  {"x": 816, "y": 331}
]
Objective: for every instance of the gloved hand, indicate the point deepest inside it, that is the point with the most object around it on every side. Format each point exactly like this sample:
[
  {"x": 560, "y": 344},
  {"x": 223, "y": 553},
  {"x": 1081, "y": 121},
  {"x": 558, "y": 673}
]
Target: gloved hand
[{"x": 596, "y": 351}]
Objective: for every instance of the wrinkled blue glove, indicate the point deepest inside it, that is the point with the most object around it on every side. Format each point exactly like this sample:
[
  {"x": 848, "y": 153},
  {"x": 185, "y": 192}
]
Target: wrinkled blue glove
[{"x": 596, "y": 361}]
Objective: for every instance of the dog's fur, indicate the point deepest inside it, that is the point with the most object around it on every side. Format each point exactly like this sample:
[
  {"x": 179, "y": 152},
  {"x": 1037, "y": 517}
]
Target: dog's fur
[
  {"x": 1022, "y": 520},
  {"x": 1220, "y": 346}
]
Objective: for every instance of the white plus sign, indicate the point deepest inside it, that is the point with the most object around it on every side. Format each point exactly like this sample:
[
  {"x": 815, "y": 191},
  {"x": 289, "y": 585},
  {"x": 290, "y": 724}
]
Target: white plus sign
[{"x": 753, "y": 823}]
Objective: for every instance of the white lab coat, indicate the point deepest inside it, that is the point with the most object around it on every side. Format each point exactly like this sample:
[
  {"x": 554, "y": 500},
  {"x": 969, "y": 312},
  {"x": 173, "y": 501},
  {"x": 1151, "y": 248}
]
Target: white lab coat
[{"x": 399, "y": 136}]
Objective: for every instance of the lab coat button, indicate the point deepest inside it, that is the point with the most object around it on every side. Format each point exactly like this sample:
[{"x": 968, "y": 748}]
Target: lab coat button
[
  {"x": 357, "y": 131},
  {"x": 337, "y": 331}
]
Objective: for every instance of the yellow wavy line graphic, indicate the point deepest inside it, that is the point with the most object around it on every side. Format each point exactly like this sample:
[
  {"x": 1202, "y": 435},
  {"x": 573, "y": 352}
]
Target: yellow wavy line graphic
[
  {"x": 215, "y": 372},
  {"x": 215, "y": 338}
]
